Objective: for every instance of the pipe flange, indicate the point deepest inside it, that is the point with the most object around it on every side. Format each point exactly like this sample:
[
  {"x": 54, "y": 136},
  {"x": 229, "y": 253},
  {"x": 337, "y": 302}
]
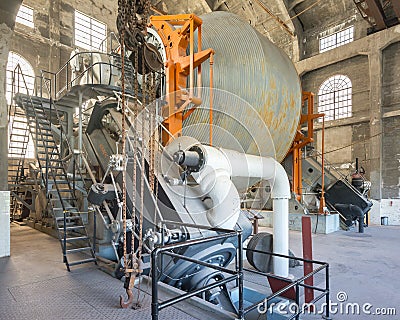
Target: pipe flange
[{"x": 201, "y": 161}]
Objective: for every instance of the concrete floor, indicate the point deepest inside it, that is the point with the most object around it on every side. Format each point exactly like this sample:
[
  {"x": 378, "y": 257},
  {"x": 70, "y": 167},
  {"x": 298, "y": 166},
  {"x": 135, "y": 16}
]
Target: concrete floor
[
  {"x": 364, "y": 266},
  {"x": 34, "y": 283}
]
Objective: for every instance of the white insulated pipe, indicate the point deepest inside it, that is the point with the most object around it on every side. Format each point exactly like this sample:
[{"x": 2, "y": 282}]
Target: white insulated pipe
[
  {"x": 225, "y": 209},
  {"x": 222, "y": 164}
]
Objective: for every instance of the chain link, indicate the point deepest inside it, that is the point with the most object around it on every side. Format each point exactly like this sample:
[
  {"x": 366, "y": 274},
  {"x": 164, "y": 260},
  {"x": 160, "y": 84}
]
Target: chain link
[{"x": 132, "y": 22}]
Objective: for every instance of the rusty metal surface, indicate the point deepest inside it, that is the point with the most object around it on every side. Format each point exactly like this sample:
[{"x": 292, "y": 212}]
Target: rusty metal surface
[{"x": 248, "y": 65}]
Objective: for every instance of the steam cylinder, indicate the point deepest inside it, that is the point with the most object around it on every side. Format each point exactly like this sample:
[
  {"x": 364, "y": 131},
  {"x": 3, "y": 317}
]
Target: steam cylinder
[{"x": 249, "y": 72}]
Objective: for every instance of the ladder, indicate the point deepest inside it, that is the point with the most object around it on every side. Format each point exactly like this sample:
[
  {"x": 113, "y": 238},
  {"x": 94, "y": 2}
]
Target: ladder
[{"x": 62, "y": 201}]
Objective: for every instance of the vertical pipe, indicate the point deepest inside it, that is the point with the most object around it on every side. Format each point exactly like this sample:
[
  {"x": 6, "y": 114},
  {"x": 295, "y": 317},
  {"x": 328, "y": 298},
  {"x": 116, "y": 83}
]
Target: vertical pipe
[
  {"x": 211, "y": 97},
  {"x": 154, "y": 283},
  {"x": 281, "y": 236},
  {"x": 199, "y": 48},
  {"x": 191, "y": 57},
  {"x": 322, "y": 200}
]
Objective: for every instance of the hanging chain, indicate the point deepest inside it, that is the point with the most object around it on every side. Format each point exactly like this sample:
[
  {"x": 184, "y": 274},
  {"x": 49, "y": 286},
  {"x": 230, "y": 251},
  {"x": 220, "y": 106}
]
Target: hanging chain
[
  {"x": 132, "y": 28},
  {"x": 142, "y": 177},
  {"x": 123, "y": 140},
  {"x": 129, "y": 29},
  {"x": 152, "y": 130},
  {"x": 153, "y": 142},
  {"x": 132, "y": 21}
]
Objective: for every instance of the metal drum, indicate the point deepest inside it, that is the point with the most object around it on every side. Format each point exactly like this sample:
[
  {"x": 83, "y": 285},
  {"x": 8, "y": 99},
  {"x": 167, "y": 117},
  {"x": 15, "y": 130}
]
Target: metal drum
[{"x": 249, "y": 72}]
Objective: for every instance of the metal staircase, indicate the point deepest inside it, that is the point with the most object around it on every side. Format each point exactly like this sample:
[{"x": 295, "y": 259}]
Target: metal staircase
[
  {"x": 18, "y": 143},
  {"x": 40, "y": 115},
  {"x": 338, "y": 190},
  {"x": 60, "y": 190},
  {"x": 128, "y": 68}
]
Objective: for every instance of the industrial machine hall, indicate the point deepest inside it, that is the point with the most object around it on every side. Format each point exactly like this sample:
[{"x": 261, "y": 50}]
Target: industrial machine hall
[{"x": 199, "y": 159}]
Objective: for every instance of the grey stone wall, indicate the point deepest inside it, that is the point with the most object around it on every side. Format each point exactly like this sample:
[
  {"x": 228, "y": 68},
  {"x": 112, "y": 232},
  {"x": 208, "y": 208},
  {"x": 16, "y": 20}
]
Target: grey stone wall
[
  {"x": 317, "y": 25},
  {"x": 391, "y": 78},
  {"x": 391, "y": 121},
  {"x": 357, "y": 70},
  {"x": 348, "y": 136},
  {"x": 49, "y": 44},
  {"x": 391, "y": 158}
]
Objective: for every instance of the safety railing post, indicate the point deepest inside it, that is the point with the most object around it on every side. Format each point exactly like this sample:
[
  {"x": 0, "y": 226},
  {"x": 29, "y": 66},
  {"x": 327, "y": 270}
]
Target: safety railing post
[
  {"x": 240, "y": 274},
  {"x": 94, "y": 231},
  {"x": 327, "y": 289},
  {"x": 65, "y": 236},
  {"x": 66, "y": 79},
  {"x": 154, "y": 284},
  {"x": 297, "y": 302}
]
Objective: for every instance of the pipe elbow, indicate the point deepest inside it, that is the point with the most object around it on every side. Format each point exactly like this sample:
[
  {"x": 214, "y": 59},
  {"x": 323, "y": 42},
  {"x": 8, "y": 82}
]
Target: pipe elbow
[
  {"x": 281, "y": 186},
  {"x": 225, "y": 205}
]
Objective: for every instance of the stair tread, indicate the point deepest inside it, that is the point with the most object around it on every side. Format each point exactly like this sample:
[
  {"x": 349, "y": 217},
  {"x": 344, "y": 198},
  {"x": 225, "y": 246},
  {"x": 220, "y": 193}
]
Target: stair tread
[
  {"x": 70, "y": 218},
  {"x": 71, "y": 228},
  {"x": 74, "y": 263},
  {"x": 77, "y": 238},
  {"x": 77, "y": 249}
]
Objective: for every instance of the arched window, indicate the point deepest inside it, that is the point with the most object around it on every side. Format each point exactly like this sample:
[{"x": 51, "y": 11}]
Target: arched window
[
  {"x": 25, "y": 87},
  {"x": 335, "y": 98},
  {"x": 28, "y": 75}
]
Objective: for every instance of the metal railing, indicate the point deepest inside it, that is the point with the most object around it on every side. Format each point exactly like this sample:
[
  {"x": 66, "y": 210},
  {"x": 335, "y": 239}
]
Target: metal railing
[
  {"x": 296, "y": 284},
  {"x": 331, "y": 170},
  {"x": 112, "y": 37},
  {"x": 235, "y": 274},
  {"x": 166, "y": 250},
  {"x": 100, "y": 65}
]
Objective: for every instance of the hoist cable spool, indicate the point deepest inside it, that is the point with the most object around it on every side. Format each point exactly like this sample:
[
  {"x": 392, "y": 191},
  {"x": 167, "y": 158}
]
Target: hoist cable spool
[{"x": 247, "y": 66}]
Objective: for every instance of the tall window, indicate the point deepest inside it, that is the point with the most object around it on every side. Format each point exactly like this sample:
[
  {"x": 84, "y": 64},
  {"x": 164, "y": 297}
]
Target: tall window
[
  {"x": 336, "y": 39},
  {"x": 90, "y": 33},
  {"x": 27, "y": 77},
  {"x": 24, "y": 81},
  {"x": 25, "y": 16},
  {"x": 335, "y": 98}
]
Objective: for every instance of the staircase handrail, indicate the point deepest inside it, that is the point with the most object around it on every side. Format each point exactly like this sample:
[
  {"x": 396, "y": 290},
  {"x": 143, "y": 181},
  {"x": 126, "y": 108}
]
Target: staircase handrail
[{"x": 328, "y": 166}]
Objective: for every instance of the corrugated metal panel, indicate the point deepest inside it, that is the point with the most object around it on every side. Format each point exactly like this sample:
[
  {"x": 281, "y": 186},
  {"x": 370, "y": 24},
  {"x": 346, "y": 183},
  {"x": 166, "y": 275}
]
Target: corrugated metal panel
[{"x": 258, "y": 88}]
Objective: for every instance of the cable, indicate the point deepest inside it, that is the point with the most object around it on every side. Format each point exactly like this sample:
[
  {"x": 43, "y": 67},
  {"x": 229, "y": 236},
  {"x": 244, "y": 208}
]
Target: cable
[
  {"x": 354, "y": 143},
  {"x": 277, "y": 19},
  {"x": 296, "y": 15}
]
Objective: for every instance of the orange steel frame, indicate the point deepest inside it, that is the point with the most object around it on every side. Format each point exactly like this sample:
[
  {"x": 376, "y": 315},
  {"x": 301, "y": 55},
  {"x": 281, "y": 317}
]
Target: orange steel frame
[
  {"x": 301, "y": 140},
  {"x": 177, "y": 34}
]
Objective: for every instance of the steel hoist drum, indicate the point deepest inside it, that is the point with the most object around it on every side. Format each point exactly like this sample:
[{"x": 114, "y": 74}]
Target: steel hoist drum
[{"x": 249, "y": 72}]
